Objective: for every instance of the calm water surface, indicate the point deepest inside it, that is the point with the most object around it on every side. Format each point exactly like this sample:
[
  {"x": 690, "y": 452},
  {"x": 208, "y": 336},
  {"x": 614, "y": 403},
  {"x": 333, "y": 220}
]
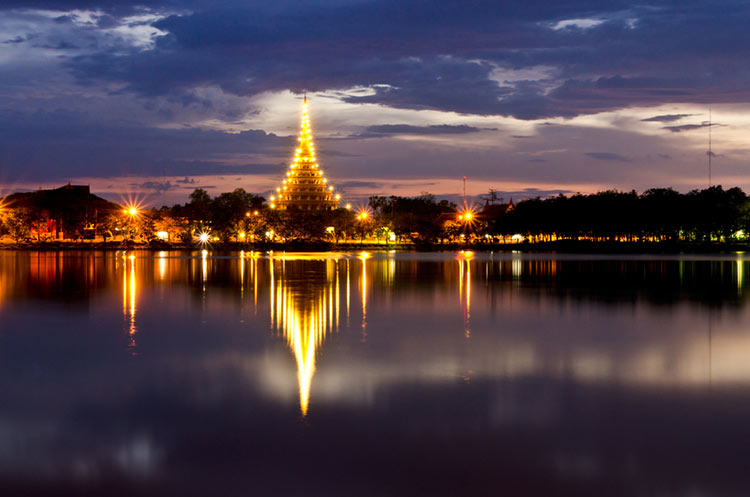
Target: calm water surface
[{"x": 173, "y": 373}]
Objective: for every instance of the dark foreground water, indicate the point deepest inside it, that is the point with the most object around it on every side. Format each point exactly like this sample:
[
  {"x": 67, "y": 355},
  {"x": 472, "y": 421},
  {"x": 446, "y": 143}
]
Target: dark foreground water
[{"x": 161, "y": 373}]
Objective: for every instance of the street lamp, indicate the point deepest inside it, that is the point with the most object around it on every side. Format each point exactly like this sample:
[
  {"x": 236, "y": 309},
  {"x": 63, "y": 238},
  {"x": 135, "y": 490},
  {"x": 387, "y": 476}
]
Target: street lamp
[{"x": 131, "y": 212}]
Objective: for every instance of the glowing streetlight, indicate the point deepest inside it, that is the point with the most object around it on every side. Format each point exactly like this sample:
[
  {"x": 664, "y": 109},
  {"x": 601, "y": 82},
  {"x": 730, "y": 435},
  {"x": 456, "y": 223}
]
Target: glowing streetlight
[{"x": 467, "y": 215}]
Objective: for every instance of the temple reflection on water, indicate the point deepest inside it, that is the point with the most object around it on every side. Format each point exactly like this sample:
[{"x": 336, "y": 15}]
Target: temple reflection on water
[
  {"x": 305, "y": 311},
  {"x": 308, "y": 302}
]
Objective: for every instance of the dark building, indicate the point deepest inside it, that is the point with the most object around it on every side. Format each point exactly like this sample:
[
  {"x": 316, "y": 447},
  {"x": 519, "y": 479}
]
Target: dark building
[{"x": 68, "y": 208}]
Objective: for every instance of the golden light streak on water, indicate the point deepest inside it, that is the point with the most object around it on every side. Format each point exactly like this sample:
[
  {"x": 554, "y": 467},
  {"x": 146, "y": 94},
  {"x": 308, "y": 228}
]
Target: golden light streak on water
[
  {"x": 129, "y": 286},
  {"x": 338, "y": 297},
  {"x": 464, "y": 288},
  {"x": 304, "y": 318},
  {"x": 204, "y": 268},
  {"x": 740, "y": 271},
  {"x": 391, "y": 270},
  {"x": 348, "y": 292},
  {"x": 330, "y": 270},
  {"x": 467, "y": 324},
  {"x": 162, "y": 265},
  {"x": 125, "y": 288},
  {"x": 254, "y": 269},
  {"x": 271, "y": 292},
  {"x": 242, "y": 274},
  {"x": 460, "y": 282},
  {"x": 363, "y": 258}
]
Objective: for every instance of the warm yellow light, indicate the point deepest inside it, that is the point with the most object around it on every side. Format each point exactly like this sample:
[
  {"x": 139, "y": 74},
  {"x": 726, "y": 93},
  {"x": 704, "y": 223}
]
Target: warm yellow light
[
  {"x": 273, "y": 198},
  {"x": 242, "y": 235},
  {"x": 348, "y": 206},
  {"x": 338, "y": 197},
  {"x": 273, "y": 206},
  {"x": 132, "y": 211},
  {"x": 204, "y": 237},
  {"x": 255, "y": 213},
  {"x": 468, "y": 216}
]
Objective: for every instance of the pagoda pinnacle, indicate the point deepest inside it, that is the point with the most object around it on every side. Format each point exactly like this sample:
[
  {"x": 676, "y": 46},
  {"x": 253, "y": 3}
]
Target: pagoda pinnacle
[{"x": 305, "y": 187}]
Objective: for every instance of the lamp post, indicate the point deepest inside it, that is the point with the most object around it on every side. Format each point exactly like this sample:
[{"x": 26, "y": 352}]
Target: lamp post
[
  {"x": 466, "y": 218},
  {"x": 362, "y": 217},
  {"x": 131, "y": 213}
]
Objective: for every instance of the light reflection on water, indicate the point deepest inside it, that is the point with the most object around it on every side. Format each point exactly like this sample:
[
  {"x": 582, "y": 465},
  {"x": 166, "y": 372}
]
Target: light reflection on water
[{"x": 550, "y": 358}]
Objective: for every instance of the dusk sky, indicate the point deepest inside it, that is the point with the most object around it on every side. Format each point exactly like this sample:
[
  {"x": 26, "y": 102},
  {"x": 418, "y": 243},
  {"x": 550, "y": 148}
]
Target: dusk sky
[{"x": 154, "y": 98}]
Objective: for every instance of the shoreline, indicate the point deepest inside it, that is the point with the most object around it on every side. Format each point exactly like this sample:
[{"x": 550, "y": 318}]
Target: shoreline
[{"x": 563, "y": 246}]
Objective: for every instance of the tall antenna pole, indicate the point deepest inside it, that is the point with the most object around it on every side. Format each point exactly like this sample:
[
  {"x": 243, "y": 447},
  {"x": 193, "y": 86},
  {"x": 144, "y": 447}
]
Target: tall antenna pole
[
  {"x": 464, "y": 192},
  {"x": 710, "y": 153}
]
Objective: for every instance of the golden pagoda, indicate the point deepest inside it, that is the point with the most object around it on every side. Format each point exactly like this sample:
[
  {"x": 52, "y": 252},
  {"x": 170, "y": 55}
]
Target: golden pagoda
[{"x": 305, "y": 187}]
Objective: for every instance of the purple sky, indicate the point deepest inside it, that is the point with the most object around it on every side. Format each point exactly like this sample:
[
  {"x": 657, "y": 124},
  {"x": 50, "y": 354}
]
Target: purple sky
[{"x": 154, "y": 98}]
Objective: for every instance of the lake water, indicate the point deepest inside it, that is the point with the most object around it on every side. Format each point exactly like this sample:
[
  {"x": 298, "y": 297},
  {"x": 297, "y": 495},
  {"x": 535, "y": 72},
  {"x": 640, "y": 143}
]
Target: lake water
[{"x": 174, "y": 373}]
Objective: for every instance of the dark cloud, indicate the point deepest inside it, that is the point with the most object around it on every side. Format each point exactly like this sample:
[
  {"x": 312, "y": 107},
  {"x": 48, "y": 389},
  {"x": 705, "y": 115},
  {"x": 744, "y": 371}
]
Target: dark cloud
[
  {"x": 527, "y": 193},
  {"x": 187, "y": 181},
  {"x": 667, "y": 118},
  {"x": 157, "y": 186},
  {"x": 374, "y": 185},
  {"x": 607, "y": 156},
  {"x": 685, "y": 127},
  {"x": 64, "y": 144},
  {"x": 442, "y": 55},
  {"x": 382, "y": 130},
  {"x": 132, "y": 87},
  {"x": 413, "y": 185}
]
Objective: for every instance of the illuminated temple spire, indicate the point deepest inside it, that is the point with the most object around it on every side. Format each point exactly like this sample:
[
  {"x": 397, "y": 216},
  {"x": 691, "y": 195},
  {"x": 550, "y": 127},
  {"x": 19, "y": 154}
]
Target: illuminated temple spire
[{"x": 305, "y": 187}]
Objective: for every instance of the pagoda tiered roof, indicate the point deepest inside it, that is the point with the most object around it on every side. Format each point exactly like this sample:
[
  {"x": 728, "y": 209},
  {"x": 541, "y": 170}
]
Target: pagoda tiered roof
[{"x": 305, "y": 187}]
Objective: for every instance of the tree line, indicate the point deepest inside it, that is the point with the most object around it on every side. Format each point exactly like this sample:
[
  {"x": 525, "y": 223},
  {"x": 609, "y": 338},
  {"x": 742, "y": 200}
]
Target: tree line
[{"x": 659, "y": 214}]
